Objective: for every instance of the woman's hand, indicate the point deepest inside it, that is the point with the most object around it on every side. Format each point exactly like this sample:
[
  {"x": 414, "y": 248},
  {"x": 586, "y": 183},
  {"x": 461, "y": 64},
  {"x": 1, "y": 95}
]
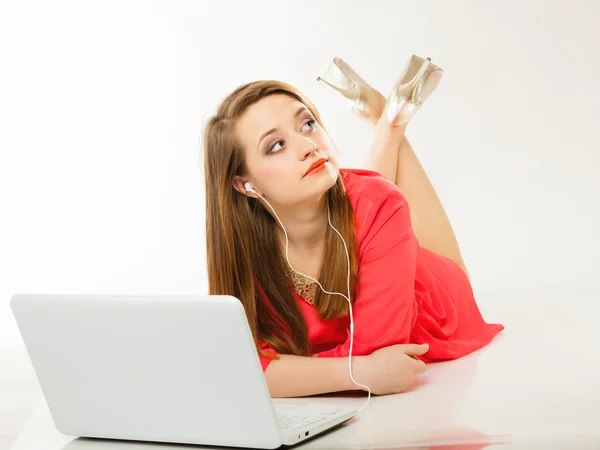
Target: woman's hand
[{"x": 390, "y": 370}]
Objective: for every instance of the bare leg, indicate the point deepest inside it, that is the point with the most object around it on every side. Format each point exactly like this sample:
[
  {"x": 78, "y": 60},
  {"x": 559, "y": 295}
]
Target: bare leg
[
  {"x": 392, "y": 155},
  {"x": 430, "y": 221},
  {"x": 383, "y": 156}
]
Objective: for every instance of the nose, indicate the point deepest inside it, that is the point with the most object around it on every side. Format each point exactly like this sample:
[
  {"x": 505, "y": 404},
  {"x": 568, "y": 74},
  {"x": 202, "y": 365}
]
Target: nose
[{"x": 307, "y": 147}]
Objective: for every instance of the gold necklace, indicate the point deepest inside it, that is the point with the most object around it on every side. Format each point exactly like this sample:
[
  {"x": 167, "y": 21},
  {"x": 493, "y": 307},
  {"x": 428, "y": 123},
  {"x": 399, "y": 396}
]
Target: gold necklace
[{"x": 305, "y": 287}]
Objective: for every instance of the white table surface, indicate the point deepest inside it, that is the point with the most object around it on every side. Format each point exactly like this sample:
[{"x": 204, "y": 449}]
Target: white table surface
[{"x": 536, "y": 386}]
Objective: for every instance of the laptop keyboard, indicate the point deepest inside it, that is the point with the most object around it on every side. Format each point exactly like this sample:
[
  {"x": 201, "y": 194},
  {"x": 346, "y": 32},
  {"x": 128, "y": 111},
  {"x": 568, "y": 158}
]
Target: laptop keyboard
[
  {"x": 290, "y": 423},
  {"x": 292, "y": 417}
]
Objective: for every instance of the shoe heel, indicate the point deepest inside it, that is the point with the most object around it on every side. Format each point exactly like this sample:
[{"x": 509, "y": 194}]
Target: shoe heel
[
  {"x": 418, "y": 80},
  {"x": 359, "y": 95}
]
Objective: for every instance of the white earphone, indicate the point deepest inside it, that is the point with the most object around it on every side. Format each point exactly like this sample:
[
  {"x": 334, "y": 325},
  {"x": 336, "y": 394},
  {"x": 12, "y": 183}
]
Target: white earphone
[{"x": 249, "y": 188}]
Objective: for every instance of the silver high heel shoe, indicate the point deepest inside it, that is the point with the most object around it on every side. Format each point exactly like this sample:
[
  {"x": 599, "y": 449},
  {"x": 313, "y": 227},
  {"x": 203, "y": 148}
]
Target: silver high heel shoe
[
  {"x": 340, "y": 76},
  {"x": 418, "y": 80}
]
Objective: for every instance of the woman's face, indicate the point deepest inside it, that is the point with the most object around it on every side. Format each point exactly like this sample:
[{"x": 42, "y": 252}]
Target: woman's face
[{"x": 281, "y": 140}]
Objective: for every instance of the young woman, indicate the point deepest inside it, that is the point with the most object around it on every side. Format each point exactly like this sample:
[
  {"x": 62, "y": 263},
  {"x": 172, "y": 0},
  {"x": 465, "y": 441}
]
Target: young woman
[{"x": 411, "y": 297}]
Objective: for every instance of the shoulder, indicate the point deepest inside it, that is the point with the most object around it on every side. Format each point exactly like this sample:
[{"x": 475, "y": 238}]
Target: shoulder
[
  {"x": 365, "y": 183},
  {"x": 367, "y": 189},
  {"x": 374, "y": 200}
]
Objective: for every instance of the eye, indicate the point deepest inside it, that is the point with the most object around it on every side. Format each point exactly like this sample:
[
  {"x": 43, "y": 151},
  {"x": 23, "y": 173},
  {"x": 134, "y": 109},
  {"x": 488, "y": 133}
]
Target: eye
[
  {"x": 273, "y": 146},
  {"x": 312, "y": 123}
]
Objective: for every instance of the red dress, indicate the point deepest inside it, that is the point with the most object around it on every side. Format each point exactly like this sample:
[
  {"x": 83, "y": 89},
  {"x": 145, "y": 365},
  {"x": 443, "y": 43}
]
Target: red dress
[{"x": 407, "y": 294}]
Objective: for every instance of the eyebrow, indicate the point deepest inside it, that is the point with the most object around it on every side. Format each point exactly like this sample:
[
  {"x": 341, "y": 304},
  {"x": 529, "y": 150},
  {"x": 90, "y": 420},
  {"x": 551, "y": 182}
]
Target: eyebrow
[{"x": 296, "y": 114}]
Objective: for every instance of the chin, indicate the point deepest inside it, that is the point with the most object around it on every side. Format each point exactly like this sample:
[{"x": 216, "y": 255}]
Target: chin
[
  {"x": 330, "y": 172},
  {"x": 324, "y": 180}
]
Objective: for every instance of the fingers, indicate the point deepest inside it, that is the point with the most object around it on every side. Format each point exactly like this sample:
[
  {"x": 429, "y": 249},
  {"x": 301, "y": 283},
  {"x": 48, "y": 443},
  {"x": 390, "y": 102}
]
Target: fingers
[
  {"x": 419, "y": 365},
  {"x": 415, "y": 349}
]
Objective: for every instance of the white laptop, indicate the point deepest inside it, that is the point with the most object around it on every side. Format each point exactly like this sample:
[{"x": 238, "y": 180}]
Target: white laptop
[{"x": 180, "y": 369}]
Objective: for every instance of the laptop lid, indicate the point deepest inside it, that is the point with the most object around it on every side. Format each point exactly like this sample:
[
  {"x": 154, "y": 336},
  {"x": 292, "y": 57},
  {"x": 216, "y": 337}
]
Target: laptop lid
[{"x": 178, "y": 368}]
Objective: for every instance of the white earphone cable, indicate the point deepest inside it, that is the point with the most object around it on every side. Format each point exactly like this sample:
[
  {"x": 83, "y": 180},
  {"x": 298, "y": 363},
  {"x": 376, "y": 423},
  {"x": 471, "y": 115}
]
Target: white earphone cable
[{"x": 249, "y": 188}]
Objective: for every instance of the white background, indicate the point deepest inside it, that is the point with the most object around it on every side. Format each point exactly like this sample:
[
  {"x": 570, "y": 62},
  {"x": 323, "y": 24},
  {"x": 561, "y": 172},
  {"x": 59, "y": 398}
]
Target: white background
[{"x": 102, "y": 106}]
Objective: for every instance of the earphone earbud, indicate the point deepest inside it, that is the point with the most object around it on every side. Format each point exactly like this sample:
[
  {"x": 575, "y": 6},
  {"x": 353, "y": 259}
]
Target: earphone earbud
[{"x": 248, "y": 187}]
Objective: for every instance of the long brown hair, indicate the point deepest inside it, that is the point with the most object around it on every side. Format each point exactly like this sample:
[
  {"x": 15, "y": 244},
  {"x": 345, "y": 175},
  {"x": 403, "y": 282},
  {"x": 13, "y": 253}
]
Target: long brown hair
[{"x": 241, "y": 243}]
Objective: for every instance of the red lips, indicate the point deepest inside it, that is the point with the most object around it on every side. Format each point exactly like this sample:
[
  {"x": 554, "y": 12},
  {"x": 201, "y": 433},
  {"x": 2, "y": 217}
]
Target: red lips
[{"x": 318, "y": 162}]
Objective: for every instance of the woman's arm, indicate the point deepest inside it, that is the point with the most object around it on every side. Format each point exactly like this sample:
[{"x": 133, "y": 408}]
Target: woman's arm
[
  {"x": 299, "y": 376},
  {"x": 389, "y": 370}
]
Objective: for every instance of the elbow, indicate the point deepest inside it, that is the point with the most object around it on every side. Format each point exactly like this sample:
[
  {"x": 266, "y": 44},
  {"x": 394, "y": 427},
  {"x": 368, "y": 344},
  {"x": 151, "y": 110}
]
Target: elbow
[{"x": 274, "y": 383}]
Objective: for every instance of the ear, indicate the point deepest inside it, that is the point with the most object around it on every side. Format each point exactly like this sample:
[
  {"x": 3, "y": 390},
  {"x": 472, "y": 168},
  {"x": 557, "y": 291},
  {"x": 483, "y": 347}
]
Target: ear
[{"x": 238, "y": 185}]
